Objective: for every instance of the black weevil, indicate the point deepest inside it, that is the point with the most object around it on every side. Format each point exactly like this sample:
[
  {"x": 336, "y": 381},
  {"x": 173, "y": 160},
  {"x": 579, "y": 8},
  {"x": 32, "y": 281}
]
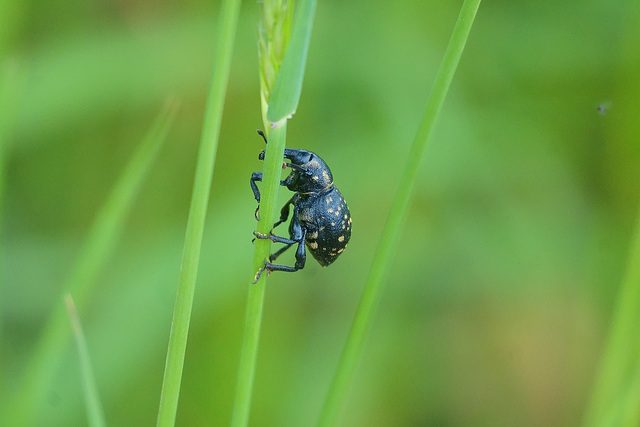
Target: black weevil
[{"x": 321, "y": 218}]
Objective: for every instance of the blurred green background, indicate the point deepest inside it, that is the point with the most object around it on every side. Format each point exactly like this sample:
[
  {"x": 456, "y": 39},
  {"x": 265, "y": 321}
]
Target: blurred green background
[{"x": 499, "y": 296}]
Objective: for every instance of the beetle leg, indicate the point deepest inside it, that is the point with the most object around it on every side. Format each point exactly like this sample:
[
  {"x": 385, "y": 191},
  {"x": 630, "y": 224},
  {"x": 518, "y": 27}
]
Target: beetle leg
[
  {"x": 301, "y": 258},
  {"x": 277, "y": 267},
  {"x": 280, "y": 251},
  {"x": 268, "y": 264},
  {"x": 301, "y": 253},
  {"x": 260, "y": 235},
  {"x": 298, "y": 235},
  {"x": 261, "y": 133},
  {"x": 256, "y": 176},
  {"x": 284, "y": 213},
  {"x": 274, "y": 238},
  {"x": 259, "y": 273}
]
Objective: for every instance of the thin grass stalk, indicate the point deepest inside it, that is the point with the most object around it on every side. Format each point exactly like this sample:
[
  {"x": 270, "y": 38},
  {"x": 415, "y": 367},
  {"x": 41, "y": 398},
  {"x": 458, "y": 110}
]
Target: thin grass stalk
[
  {"x": 282, "y": 63},
  {"x": 9, "y": 90},
  {"x": 169, "y": 396},
  {"x": 8, "y": 105},
  {"x": 95, "y": 413},
  {"x": 622, "y": 351},
  {"x": 106, "y": 230},
  {"x": 388, "y": 242},
  {"x": 630, "y": 411},
  {"x": 255, "y": 300},
  {"x": 275, "y": 31}
]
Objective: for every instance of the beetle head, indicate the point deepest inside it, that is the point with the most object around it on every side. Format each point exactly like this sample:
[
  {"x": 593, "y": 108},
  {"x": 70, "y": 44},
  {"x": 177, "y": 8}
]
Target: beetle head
[{"x": 309, "y": 173}]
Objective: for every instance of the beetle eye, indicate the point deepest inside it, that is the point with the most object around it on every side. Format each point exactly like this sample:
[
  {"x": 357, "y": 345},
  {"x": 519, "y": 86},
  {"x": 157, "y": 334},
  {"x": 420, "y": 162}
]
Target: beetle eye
[{"x": 310, "y": 157}]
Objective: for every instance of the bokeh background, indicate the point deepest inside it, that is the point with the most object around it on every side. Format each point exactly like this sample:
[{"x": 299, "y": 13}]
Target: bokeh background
[{"x": 498, "y": 299}]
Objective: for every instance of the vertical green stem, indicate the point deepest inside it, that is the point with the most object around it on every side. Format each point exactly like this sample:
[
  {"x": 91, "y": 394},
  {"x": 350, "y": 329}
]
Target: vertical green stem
[
  {"x": 95, "y": 414},
  {"x": 8, "y": 105},
  {"x": 195, "y": 224},
  {"x": 388, "y": 242},
  {"x": 623, "y": 350},
  {"x": 9, "y": 95},
  {"x": 282, "y": 62},
  {"x": 268, "y": 209}
]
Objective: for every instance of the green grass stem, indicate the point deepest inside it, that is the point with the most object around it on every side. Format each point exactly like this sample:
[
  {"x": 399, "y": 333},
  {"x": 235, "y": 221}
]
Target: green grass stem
[
  {"x": 95, "y": 414},
  {"x": 255, "y": 299},
  {"x": 8, "y": 105},
  {"x": 8, "y": 101},
  {"x": 620, "y": 366},
  {"x": 22, "y": 408},
  {"x": 282, "y": 63},
  {"x": 169, "y": 396},
  {"x": 630, "y": 414},
  {"x": 388, "y": 242}
]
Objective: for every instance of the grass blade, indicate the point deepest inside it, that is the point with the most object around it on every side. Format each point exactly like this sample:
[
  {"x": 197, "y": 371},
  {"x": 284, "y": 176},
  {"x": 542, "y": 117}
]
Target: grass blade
[
  {"x": 95, "y": 414},
  {"x": 280, "y": 103},
  {"x": 8, "y": 101},
  {"x": 622, "y": 352},
  {"x": 268, "y": 209},
  {"x": 286, "y": 91},
  {"x": 388, "y": 242},
  {"x": 275, "y": 31},
  {"x": 195, "y": 224},
  {"x": 104, "y": 234}
]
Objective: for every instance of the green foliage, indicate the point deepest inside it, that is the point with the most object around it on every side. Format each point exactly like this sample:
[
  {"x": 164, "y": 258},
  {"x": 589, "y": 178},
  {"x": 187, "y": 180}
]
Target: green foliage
[
  {"x": 499, "y": 295},
  {"x": 100, "y": 243},
  {"x": 197, "y": 213}
]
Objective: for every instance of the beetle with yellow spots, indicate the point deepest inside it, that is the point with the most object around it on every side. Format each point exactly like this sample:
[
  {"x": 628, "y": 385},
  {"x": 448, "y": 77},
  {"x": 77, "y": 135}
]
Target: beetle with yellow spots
[{"x": 321, "y": 220}]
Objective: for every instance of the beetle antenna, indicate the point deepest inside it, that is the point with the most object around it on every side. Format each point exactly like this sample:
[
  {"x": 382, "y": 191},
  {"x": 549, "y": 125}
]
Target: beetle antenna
[{"x": 262, "y": 135}]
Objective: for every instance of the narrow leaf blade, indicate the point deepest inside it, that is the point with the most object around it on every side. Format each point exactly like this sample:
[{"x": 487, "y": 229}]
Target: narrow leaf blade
[{"x": 288, "y": 86}]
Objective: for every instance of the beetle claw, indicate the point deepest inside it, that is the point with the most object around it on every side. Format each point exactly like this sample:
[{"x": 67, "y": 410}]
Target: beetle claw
[
  {"x": 261, "y": 236},
  {"x": 260, "y": 271}
]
